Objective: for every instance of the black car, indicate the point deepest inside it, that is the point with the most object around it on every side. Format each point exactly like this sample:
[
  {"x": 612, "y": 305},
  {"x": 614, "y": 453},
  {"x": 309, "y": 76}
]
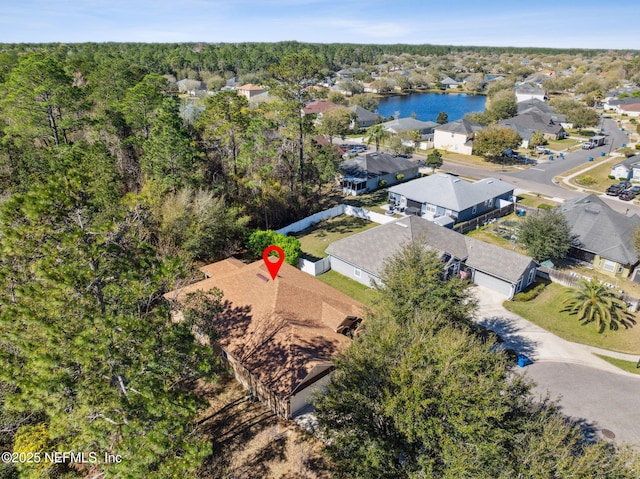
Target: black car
[
  {"x": 635, "y": 189},
  {"x": 615, "y": 190},
  {"x": 627, "y": 195}
]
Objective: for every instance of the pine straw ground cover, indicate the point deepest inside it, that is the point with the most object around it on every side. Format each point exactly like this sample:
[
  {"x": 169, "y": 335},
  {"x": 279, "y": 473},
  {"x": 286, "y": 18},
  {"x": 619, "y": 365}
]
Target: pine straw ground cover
[{"x": 250, "y": 442}]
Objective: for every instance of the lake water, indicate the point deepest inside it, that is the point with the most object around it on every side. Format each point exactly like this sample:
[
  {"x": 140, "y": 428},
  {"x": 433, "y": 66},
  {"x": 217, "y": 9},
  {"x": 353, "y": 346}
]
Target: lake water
[{"x": 426, "y": 106}]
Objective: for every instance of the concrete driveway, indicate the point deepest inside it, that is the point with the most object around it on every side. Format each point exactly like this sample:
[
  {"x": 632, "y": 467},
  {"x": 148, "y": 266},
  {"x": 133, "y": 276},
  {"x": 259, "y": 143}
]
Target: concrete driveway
[{"x": 590, "y": 390}]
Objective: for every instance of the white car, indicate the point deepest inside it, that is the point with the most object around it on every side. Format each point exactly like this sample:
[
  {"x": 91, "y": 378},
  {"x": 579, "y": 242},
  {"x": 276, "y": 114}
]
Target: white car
[{"x": 543, "y": 149}]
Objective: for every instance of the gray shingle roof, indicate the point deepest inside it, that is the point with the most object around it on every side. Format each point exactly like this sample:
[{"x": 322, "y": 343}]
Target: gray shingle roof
[
  {"x": 529, "y": 89},
  {"x": 452, "y": 192},
  {"x": 534, "y": 120},
  {"x": 363, "y": 114},
  {"x": 601, "y": 230},
  {"x": 409, "y": 124},
  {"x": 463, "y": 126},
  {"x": 370, "y": 249},
  {"x": 373, "y": 165}
]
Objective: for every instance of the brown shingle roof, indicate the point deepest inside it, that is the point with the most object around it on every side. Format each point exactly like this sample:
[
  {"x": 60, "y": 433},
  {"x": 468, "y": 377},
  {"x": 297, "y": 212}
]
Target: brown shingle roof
[
  {"x": 319, "y": 106},
  {"x": 279, "y": 330}
]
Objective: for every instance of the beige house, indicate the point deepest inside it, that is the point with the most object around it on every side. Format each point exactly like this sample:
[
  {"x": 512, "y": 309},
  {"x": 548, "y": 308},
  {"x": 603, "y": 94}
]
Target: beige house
[
  {"x": 456, "y": 136},
  {"x": 279, "y": 336},
  {"x": 250, "y": 90}
]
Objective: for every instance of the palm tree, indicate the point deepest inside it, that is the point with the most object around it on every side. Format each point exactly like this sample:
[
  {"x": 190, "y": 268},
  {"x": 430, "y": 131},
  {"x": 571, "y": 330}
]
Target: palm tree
[
  {"x": 377, "y": 134},
  {"x": 593, "y": 301}
]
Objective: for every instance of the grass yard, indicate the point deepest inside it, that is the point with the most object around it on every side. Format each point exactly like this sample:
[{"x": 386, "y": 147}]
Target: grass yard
[
  {"x": 545, "y": 311},
  {"x": 314, "y": 240},
  {"x": 351, "y": 288},
  {"x": 535, "y": 201},
  {"x": 561, "y": 145},
  {"x": 500, "y": 233},
  {"x": 368, "y": 200},
  {"x": 628, "y": 366}
]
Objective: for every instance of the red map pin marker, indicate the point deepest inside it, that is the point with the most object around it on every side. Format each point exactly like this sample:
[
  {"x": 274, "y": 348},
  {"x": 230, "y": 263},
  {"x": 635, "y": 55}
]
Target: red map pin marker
[{"x": 273, "y": 266}]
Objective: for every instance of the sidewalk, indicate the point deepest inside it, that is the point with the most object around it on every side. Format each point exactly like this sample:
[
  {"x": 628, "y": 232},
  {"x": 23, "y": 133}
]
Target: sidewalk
[{"x": 537, "y": 343}]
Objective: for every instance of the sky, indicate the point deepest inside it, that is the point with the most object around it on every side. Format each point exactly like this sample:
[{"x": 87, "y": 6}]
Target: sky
[{"x": 518, "y": 23}]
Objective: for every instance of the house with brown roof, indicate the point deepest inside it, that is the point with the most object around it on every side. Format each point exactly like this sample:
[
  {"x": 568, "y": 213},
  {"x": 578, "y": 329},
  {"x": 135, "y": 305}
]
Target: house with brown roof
[
  {"x": 318, "y": 107},
  {"x": 250, "y": 91},
  {"x": 281, "y": 335}
]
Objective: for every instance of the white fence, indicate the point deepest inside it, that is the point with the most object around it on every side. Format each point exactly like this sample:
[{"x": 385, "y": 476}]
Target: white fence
[
  {"x": 310, "y": 220},
  {"x": 367, "y": 215},
  {"x": 314, "y": 269},
  {"x": 332, "y": 213}
]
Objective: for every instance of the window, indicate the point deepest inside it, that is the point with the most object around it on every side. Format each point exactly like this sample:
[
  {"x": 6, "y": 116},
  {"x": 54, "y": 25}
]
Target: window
[
  {"x": 532, "y": 275},
  {"x": 619, "y": 269},
  {"x": 473, "y": 210},
  {"x": 357, "y": 272}
]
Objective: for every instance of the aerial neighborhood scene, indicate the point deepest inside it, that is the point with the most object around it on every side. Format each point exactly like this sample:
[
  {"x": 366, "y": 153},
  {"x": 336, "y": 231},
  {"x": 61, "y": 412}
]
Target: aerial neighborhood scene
[{"x": 319, "y": 239}]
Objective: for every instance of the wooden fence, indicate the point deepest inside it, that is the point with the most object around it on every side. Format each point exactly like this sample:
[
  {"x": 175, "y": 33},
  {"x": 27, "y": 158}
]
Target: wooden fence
[
  {"x": 572, "y": 280},
  {"x": 482, "y": 220}
]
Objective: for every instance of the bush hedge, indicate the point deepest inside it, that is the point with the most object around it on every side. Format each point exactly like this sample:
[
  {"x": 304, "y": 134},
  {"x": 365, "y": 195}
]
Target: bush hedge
[{"x": 529, "y": 293}]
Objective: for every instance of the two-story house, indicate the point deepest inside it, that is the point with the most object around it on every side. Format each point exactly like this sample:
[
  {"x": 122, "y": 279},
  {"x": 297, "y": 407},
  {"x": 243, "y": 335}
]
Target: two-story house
[
  {"x": 456, "y": 136},
  {"x": 441, "y": 195}
]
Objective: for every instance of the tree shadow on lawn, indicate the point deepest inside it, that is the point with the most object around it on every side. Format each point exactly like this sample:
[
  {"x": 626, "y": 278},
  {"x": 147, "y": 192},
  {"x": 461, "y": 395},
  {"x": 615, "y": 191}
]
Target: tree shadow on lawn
[{"x": 510, "y": 335}]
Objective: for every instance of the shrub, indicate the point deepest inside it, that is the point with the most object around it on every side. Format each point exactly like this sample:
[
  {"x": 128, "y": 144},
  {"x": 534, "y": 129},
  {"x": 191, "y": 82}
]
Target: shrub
[
  {"x": 586, "y": 180},
  {"x": 382, "y": 183},
  {"x": 531, "y": 292},
  {"x": 544, "y": 206},
  {"x": 399, "y": 177},
  {"x": 259, "y": 240},
  {"x": 611, "y": 177}
]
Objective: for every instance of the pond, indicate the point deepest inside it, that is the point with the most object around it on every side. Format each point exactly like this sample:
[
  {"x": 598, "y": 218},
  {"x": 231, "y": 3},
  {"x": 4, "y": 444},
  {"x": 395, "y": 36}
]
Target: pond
[{"x": 426, "y": 106}]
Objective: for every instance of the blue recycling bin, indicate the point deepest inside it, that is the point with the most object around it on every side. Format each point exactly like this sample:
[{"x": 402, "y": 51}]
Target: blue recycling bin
[
  {"x": 524, "y": 360},
  {"x": 624, "y": 145},
  {"x": 561, "y": 155},
  {"x": 551, "y": 158},
  {"x": 591, "y": 158},
  {"x": 602, "y": 153}
]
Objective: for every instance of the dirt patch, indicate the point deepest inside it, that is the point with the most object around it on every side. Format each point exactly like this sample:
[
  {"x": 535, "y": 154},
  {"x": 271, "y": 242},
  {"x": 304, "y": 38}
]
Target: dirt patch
[{"x": 249, "y": 441}]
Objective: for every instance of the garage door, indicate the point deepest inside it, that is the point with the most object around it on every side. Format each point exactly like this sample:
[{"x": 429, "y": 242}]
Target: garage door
[{"x": 493, "y": 283}]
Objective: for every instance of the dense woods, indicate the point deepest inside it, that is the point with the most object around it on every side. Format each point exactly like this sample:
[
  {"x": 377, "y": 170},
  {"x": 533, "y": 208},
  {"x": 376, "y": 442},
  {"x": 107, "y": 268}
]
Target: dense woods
[{"x": 110, "y": 195}]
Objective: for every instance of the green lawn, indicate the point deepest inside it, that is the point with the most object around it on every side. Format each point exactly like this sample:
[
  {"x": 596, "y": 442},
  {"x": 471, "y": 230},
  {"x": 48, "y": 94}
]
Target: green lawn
[
  {"x": 629, "y": 366},
  {"x": 599, "y": 174},
  {"x": 314, "y": 240},
  {"x": 535, "y": 201},
  {"x": 545, "y": 311},
  {"x": 355, "y": 290},
  {"x": 368, "y": 200},
  {"x": 560, "y": 145}
]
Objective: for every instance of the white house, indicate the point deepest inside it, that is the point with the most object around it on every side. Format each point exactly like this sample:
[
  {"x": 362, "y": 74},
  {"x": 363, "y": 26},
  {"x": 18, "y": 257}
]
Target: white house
[
  {"x": 527, "y": 91},
  {"x": 456, "y": 136}
]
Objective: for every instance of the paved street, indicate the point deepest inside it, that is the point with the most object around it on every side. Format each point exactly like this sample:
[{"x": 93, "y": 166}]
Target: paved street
[{"x": 589, "y": 388}]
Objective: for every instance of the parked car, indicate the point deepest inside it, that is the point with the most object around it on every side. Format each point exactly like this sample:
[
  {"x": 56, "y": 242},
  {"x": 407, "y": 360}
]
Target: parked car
[
  {"x": 635, "y": 189},
  {"x": 543, "y": 150},
  {"x": 627, "y": 195},
  {"x": 588, "y": 146},
  {"x": 625, "y": 184},
  {"x": 615, "y": 190}
]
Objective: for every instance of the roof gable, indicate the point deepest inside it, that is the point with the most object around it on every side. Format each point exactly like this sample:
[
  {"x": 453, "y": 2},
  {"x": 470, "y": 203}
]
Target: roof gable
[
  {"x": 370, "y": 249},
  {"x": 462, "y": 126},
  {"x": 601, "y": 230},
  {"x": 452, "y": 192},
  {"x": 373, "y": 165},
  {"x": 279, "y": 330}
]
